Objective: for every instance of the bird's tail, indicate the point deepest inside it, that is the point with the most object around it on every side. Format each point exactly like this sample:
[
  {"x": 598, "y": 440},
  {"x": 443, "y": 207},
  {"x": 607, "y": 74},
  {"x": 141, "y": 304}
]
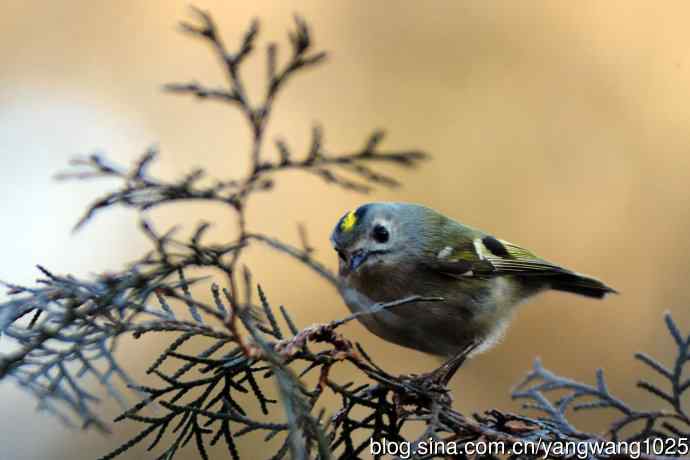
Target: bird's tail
[{"x": 584, "y": 285}]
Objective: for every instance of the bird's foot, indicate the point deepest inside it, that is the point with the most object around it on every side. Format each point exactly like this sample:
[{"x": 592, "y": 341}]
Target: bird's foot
[
  {"x": 421, "y": 390},
  {"x": 442, "y": 376},
  {"x": 436, "y": 381}
]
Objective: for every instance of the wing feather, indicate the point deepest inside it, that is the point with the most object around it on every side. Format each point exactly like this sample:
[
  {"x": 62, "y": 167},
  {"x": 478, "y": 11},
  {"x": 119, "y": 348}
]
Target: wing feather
[
  {"x": 488, "y": 256},
  {"x": 478, "y": 255}
]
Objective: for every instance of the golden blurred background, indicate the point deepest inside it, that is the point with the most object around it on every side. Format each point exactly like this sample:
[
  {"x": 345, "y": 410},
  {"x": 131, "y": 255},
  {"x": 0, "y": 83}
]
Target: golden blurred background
[{"x": 562, "y": 126}]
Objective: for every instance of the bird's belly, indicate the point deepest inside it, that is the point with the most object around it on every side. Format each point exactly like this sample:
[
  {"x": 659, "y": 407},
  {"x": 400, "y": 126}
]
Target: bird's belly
[{"x": 442, "y": 328}]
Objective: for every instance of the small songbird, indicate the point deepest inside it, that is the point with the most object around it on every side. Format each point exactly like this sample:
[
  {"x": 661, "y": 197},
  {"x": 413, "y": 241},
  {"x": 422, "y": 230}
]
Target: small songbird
[{"x": 392, "y": 251}]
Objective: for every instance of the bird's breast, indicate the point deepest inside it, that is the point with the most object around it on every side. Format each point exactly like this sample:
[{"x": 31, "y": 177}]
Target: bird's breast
[{"x": 472, "y": 309}]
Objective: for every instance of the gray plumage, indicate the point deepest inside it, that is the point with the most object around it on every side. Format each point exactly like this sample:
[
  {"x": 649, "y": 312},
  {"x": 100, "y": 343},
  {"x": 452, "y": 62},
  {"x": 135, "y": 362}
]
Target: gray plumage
[{"x": 389, "y": 251}]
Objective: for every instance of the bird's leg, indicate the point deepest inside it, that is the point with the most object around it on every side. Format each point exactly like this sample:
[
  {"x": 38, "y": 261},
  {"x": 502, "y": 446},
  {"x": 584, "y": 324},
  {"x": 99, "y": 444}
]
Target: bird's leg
[
  {"x": 433, "y": 386},
  {"x": 443, "y": 375}
]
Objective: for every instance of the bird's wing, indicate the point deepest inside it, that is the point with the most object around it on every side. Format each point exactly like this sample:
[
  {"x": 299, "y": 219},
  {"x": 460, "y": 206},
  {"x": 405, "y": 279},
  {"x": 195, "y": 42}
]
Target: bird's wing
[
  {"x": 484, "y": 255},
  {"x": 461, "y": 252},
  {"x": 509, "y": 258}
]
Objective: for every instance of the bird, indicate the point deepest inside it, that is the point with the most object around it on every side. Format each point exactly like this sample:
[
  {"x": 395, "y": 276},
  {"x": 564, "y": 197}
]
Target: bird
[{"x": 466, "y": 282}]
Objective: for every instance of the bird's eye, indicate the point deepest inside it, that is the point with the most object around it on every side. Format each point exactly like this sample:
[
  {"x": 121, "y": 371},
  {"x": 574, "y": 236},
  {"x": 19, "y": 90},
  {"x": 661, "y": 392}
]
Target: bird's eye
[{"x": 380, "y": 234}]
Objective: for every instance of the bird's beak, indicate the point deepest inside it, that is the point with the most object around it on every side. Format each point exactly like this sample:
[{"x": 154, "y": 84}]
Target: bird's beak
[{"x": 357, "y": 258}]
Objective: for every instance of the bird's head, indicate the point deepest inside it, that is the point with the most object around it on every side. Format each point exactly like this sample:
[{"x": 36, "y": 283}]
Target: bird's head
[{"x": 377, "y": 234}]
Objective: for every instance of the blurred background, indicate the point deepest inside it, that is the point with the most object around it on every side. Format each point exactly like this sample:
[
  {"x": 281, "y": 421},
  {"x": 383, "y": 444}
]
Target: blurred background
[{"x": 561, "y": 126}]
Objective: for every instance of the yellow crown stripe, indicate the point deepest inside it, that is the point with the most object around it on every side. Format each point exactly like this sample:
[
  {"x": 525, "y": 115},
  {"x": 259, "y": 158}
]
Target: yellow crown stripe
[{"x": 348, "y": 222}]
